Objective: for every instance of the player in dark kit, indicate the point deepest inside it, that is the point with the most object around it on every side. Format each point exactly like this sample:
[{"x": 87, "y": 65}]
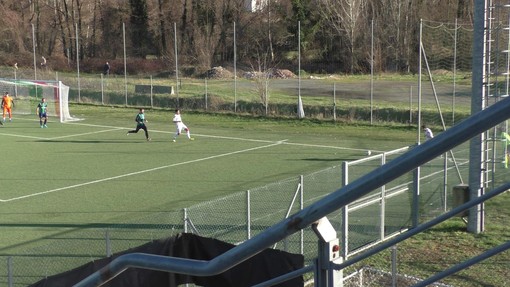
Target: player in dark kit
[
  {"x": 140, "y": 124},
  {"x": 42, "y": 112}
]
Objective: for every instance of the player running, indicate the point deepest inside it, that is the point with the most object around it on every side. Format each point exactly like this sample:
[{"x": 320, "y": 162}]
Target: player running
[
  {"x": 180, "y": 126},
  {"x": 428, "y": 132},
  {"x": 7, "y": 104},
  {"x": 42, "y": 111},
  {"x": 140, "y": 124}
]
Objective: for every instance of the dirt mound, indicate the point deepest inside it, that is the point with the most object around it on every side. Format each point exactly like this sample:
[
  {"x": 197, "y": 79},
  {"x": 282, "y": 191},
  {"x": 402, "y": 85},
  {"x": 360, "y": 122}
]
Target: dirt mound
[
  {"x": 273, "y": 74},
  {"x": 219, "y": 73},
  {"x": 222, "y": 73},
  {"x": 282, "y": 74}
]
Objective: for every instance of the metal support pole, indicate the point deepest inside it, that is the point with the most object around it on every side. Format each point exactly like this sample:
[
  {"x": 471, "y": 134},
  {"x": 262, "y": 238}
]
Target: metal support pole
[
  {"x": 185, "y": 219},
  {"x": 108, "y": 243},
  {"x": 328, "y": 251},
  {"x": 102, "y": 89},
  {"x": 10, "y": 281},
  {"x": 394, "y": 273},
  {"x": 125, "y": 63},
  {"x": 248, "y": 214},
  {"x": 476, "y": 149},
  {"x": 301, "y": 206}
]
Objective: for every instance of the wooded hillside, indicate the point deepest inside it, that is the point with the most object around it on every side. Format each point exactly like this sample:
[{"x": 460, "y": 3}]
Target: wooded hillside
[{"x": 335, "y": 34}]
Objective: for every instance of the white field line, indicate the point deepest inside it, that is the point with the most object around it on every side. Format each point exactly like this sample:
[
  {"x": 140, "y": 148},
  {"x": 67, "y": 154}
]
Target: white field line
[
  {"x": 112, "y": 128},
  {"x": 23, "y": 136},
  {"x": 173, "y": 132},
  {"x": 138, "y": 172},
  {"x": 83, "y": 134},
  {"x": 61, "y": 137},
  {"x": 326, "y": 146},
  {"x": 236, "y": 138}
]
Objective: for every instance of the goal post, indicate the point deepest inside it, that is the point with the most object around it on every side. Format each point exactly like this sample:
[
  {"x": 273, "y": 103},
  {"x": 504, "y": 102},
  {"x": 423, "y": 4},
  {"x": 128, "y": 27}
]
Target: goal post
[{"x": 27, "y": 94}]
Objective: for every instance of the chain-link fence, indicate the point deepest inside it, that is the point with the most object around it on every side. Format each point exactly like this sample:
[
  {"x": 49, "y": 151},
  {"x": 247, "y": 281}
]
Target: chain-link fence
[
  {"x": 324, "y": 97},
  {"x": 242, "y": 215},
  {"x": 371, "y": 277}
]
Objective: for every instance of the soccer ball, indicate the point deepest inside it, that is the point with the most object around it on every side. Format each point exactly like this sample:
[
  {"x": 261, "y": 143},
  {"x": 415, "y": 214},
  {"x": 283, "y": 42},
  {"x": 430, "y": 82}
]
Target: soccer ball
[{"x": 369, "y": 152}]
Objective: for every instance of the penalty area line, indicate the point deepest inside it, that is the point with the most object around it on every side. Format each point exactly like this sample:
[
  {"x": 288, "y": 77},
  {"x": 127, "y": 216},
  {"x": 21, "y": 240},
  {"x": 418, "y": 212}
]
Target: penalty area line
[{"x": 139, "y": 172}]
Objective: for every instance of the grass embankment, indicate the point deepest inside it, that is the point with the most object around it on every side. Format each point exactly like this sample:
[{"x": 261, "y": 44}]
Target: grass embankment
[{"x": 449, "y": 243}]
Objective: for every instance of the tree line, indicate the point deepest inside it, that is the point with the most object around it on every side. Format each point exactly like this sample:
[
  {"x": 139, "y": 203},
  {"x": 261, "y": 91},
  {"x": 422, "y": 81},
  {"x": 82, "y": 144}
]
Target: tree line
[{"x": 335, "y": 36}]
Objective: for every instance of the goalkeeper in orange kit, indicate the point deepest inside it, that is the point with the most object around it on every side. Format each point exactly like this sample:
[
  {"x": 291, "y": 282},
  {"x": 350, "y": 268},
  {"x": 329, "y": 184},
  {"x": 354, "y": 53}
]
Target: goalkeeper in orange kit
[{"x": 7, "y": 104}]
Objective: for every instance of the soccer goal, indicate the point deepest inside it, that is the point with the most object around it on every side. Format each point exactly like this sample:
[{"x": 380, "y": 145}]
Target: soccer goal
[{"x": 27, "y": 94}]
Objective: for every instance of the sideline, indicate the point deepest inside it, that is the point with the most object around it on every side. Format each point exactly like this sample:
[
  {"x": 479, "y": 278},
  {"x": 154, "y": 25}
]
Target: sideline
[{"x": 139, "y": 172}]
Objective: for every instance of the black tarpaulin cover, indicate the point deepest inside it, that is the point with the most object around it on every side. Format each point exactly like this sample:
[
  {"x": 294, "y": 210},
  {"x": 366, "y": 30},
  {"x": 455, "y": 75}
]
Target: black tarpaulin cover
[{"x": 262, "y": 267}]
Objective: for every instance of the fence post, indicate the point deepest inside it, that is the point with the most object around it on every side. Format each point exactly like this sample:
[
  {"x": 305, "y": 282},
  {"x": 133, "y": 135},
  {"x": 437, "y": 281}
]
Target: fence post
[
  {"x": 205, "y": 94},
  {"x": 345, "y": 214},
  {"x": 10, "y": 282},
  {"x": 445, "y": 183},
  {"x": 108, "y": 243},
  {"x": 248, "y": 214},
  {"x": 301, "y": 206},
  {"x": 185, "y": 220},
  {"x": 152, "y": 90},
  {"x": 383, "y": 204},
  {"x": 415, "y": 210},
  {"x": 394, "y": 266},
  {"x": 102, "y": 89}
]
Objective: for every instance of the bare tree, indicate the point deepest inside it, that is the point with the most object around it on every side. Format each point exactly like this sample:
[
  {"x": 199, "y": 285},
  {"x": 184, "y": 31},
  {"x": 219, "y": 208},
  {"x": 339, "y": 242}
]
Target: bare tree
[
  {"x": 394, "y": 32},
  {"x": 347, "y": 18},
  {"x": 12, "y": 32},
  {"x": 205, "y": 30},
  {"x": 208, "y": 27}
]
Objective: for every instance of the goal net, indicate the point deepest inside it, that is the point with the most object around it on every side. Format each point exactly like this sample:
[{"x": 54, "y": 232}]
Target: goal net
[{"x": 27, "y": 94}]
